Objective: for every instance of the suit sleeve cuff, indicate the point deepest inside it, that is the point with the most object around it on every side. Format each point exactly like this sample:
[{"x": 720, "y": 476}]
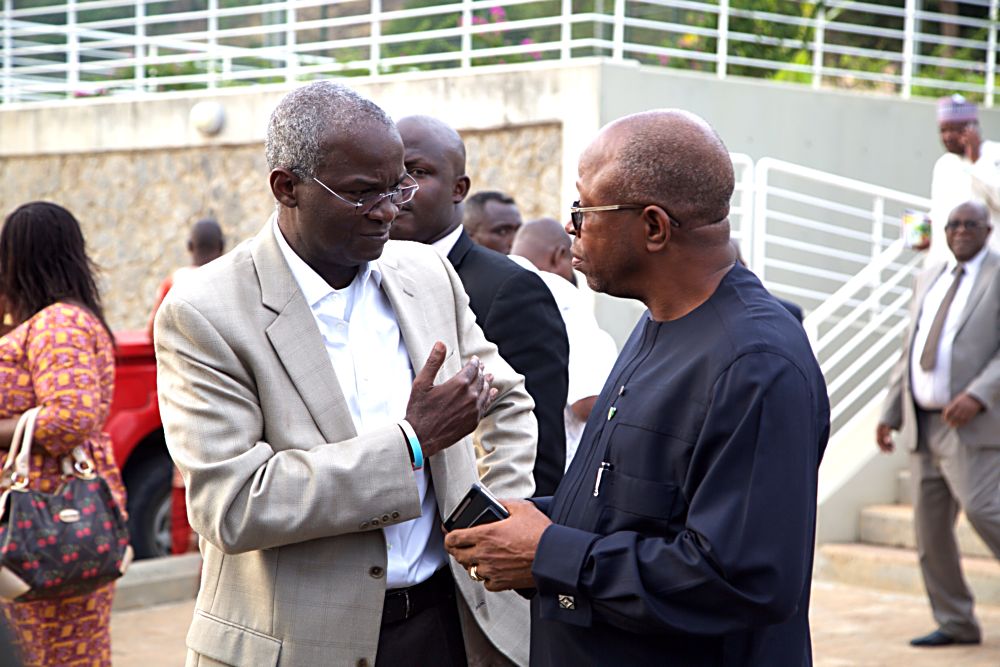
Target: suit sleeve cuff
[
  {"x": 543, "y": 503},
  {"x": 559, "y": 560}
]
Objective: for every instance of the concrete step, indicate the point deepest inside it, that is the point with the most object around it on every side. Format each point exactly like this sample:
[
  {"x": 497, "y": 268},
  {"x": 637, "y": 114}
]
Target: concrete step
[
  {"x": 892, "y": 526},
  {"x": 893, "y": 569},
  {"x": 158, "y": 581},
  {"x": 904, "y": 492}
]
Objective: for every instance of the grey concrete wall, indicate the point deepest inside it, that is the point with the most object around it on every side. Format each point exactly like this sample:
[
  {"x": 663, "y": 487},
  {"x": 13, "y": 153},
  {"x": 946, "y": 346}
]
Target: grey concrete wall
[
  {"x": 137, "y": 171},
  {"x": 868, "y": 136},
  {"x": 136, "y": 206}
]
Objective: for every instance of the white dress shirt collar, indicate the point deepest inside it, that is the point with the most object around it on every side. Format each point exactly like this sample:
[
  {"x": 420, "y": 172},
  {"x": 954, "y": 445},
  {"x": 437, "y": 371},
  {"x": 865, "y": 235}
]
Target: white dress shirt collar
[
  {"x": 315, "y": 289},
  {"x": 971, "y": 267},
  {"x": 444, "y": 244}
]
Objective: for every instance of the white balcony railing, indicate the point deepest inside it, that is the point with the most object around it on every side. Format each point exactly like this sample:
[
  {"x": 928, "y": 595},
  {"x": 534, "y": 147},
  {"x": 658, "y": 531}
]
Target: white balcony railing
[
  {"x": 66, "y": 48},
  {"x": 832, "y": 244}
]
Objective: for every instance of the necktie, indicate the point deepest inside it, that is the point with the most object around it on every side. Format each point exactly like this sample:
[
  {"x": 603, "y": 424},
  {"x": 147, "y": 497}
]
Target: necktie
[{"x": 928, "y": 358}]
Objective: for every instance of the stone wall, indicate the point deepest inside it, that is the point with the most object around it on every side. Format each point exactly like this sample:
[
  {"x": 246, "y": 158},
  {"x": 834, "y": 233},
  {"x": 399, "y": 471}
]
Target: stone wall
[
  {"x": 136, "y": 206},
  {"x": 523, "y": 162}
]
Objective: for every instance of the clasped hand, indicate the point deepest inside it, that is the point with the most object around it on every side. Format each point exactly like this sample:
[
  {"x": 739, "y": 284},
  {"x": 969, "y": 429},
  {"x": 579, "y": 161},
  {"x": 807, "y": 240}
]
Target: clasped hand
[{"x": 504, "y": 551}]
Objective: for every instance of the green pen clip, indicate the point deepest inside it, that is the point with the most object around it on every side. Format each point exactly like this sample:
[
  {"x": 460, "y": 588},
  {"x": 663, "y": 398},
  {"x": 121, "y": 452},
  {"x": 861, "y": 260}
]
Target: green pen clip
[{"x": 611, "y": 412}]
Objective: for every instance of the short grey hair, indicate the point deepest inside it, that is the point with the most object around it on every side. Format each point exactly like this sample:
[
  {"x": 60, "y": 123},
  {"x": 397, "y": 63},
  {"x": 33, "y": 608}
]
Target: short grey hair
[
  {"x": 675, "y": 158},
  {"x": 302, "y": 117}
]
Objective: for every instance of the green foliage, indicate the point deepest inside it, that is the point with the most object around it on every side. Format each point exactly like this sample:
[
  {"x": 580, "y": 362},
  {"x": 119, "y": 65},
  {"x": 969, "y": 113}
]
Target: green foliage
[{"x": 760, "y": 44}]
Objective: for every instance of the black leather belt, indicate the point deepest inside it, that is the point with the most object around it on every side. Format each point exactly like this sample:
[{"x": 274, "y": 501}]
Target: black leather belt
[{"x": 404, "y": 603}]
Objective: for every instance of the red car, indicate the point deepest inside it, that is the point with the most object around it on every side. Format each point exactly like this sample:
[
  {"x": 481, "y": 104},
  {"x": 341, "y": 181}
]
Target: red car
[{"x": 139, "y": 447}]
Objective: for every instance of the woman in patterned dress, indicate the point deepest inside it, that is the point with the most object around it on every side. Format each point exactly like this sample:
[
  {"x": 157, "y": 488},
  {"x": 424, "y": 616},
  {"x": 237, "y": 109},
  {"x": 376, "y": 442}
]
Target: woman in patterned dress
[{"x": 57, "y": 354}]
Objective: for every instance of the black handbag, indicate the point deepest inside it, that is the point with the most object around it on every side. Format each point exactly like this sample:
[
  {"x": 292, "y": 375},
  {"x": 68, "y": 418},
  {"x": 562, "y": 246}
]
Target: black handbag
[{"x": 60, "y": 544}]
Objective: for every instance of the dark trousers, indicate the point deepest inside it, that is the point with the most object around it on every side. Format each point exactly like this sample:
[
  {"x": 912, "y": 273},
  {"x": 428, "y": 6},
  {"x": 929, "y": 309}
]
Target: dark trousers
[{"x": 431, "y": 635}]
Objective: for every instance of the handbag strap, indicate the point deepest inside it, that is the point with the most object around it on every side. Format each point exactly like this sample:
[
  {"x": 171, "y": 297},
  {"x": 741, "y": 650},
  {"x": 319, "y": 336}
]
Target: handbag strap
[
  {"x": 18, "y": 463},
  {"x": 19, "y": 455}
]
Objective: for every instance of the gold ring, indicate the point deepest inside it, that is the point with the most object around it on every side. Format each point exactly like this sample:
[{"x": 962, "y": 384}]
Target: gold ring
[{"x": 475, "y": 575}]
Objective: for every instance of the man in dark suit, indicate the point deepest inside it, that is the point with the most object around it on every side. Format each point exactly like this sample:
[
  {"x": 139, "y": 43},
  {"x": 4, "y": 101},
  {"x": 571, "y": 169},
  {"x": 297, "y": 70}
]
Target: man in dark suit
[
  {"x": 683, "y": 530},
  {"x": 512, "y": 306},
  {"x": 944, "y": 398}
]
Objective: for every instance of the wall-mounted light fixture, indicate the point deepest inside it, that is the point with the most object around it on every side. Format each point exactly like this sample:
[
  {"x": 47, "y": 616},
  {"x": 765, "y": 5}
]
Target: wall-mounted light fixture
[{"x": 208, "y": 117}]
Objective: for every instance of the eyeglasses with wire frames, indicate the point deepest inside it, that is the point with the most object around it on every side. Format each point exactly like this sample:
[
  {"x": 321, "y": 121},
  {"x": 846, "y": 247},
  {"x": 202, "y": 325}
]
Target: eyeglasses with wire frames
[
  {"x": 399, "y": 195},
  {"x": 576, "y": 213}
]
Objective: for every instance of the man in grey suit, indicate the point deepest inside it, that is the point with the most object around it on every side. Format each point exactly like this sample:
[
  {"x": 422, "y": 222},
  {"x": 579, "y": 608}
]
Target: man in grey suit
[
  {"x": 944, "y": 399},
  {"x": 319, "y": 454}
]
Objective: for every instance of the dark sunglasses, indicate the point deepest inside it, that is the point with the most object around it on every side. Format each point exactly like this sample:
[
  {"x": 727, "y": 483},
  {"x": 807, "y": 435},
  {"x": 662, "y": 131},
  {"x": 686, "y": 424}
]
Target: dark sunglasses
[{"x": 970, "y": 225}]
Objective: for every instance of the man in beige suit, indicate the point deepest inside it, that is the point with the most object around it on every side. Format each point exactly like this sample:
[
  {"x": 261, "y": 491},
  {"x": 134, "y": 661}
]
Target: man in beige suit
[
  {"x": 945, "y": 401},
  {"x": 320, "y": 451}
]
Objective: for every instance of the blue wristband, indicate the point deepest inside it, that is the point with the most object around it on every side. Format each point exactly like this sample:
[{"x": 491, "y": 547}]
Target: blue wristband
[{"x": 416, "y": 453}]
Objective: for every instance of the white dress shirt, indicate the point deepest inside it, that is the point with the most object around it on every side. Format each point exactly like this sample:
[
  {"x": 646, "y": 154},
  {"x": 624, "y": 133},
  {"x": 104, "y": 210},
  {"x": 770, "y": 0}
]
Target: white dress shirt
[
  {"x": 592, "y": 351},
  {"x": 444, "y": 244},
  {"x": 373, "y": 368},
  {"x": 932, "y": 389},
  {"x": 956, "y": 180}
]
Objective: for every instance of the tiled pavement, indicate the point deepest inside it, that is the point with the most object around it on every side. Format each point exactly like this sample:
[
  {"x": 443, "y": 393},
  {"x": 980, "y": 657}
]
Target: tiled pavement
[{"x": 852, "y": 627}]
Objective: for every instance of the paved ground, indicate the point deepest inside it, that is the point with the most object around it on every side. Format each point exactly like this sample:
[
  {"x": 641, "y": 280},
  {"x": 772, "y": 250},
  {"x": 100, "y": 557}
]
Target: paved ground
[
  {"x": 860, "y": 627},
  {"x": 852, "y": 627}
]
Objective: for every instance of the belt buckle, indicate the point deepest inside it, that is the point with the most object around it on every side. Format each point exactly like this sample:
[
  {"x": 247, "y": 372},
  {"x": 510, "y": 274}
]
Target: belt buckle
[{"x": 406, "y": 597}]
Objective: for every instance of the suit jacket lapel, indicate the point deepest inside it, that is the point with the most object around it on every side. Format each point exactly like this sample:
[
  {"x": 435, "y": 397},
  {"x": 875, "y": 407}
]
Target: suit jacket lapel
[
  {"x": 461, "y": 248},
  {"x": 989, "y": 267},
  {"x": 452, "y": 470},
  {"x": 297, "y": 341},
  {"x": 921, "y": 286},
  {"x": 924, "y": 286},
  {"x": 401, "y": 291}
]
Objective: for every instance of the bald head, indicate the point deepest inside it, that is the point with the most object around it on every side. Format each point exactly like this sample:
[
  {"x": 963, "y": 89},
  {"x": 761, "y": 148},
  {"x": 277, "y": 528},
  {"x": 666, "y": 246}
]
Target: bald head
[
  {"x": 654, "y": 192},
  {"x": 434, "y": 155},
  {"x": 547, "y": 245},
  {"x": 669, "y": 157},
  {"x": 968, "y": 229},
  {"x": 205, "y": 242},
  {"x": 437, "y": 133}
]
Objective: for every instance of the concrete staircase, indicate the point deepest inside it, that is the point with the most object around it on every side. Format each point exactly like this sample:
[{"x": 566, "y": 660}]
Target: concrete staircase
[{"x": 886, "y": 555}]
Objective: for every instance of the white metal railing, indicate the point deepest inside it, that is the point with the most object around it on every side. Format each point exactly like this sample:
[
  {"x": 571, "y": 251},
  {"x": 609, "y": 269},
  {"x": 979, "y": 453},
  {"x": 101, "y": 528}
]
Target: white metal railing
[
  {"x": 815, "y": 231},
  {"x": 833, "y": 245},
  {"x": 65, "y": 48},
  {"x": 741, "y": 208}
]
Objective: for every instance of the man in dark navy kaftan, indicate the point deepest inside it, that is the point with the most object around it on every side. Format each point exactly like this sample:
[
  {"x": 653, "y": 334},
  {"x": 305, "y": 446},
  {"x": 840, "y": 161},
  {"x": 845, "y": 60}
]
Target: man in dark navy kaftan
[{"x": 683, "y": 532}]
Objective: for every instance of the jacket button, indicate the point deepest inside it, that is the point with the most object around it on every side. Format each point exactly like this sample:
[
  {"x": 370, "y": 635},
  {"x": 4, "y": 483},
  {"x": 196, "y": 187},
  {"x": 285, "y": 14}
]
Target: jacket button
[
  {"x": 376, "y": 572},
  {"x": 385, "y": 518},
  {"x": 375, "y": 522},
  {"x": 362, "y": 663},
  {"x": 363, "y": 526},
  {"x": 395, "y": 515}
]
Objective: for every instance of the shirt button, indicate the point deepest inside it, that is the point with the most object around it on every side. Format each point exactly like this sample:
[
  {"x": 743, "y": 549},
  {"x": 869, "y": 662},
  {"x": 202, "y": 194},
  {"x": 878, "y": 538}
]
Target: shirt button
[
  {"x": 376, "y": 572},
  {"x": 362, "y": 663}
]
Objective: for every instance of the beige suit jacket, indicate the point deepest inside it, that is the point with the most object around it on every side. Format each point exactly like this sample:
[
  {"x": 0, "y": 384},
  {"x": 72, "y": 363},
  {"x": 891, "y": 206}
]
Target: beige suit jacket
[
  {"x": 287, "y": 498},
  {"x": 975, "y": 360}
]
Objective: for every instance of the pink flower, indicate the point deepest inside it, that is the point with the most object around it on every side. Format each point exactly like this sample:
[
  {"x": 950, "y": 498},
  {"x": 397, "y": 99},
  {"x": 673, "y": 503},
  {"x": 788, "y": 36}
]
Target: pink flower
[
  {"x": 478, "y": 20},
  {"x": 664, "y": 60},
  {"x": 498, "y": 14}
]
